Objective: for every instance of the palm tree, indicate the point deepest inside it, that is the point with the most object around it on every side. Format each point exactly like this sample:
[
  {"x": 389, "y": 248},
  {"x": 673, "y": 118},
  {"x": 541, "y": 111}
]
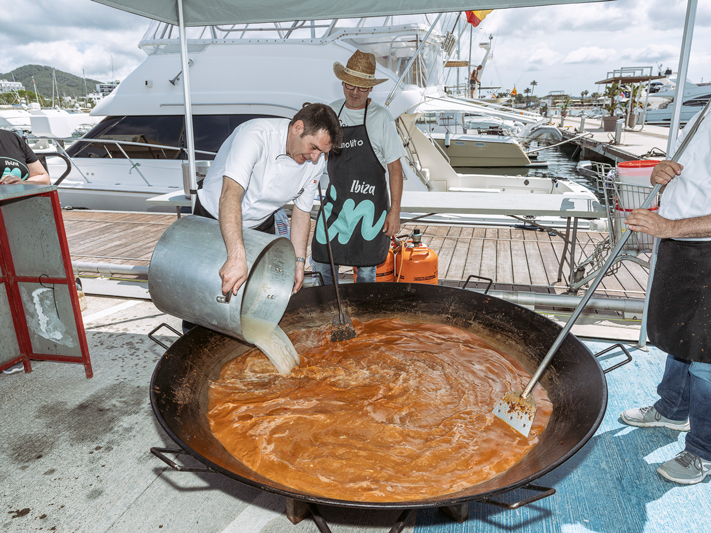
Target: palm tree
[
  {"x": 533, "y": 84},
  {"x": 527, "y": 91},
  {"x": 583, "y": 94}
]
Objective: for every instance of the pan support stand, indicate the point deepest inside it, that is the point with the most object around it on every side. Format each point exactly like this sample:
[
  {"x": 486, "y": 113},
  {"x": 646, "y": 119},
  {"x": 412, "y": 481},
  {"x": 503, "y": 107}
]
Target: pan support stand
[
  {"x": 458, "y": 513},
  {"x": 297, "y": 510}
]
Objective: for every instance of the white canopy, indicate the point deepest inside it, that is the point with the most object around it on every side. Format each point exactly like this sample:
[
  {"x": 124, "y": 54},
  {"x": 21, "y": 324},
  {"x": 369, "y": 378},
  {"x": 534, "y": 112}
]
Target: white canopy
[{"x": 215, "y": 12}]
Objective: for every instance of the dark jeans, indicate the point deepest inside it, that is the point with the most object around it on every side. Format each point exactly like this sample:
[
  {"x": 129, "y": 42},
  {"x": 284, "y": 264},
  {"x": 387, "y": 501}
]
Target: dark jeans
[
  {"x": 685, "y": 392},
  {"x": 364, "y": 275}
]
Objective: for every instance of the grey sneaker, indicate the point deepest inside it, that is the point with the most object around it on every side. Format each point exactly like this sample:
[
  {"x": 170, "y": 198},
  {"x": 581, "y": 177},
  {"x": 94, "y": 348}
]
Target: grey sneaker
[
  {"x": 649, "y": 417},
  {"x": 686, "y": 468}
]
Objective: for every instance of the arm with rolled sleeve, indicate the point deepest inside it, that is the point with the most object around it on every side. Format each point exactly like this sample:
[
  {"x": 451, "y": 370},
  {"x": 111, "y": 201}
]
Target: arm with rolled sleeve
[
  {"x": 393, "y": 150},
  {"x": 244, "y": 154},
  {"x": 300, "y": 227}
]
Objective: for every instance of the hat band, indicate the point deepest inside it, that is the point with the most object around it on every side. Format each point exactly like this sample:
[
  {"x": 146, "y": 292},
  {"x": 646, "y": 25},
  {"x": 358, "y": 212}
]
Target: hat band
[{"x": 359, "y": 74}]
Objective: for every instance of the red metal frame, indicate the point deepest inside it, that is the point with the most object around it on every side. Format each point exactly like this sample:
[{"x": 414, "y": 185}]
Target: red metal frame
[{"x": 11, "y": 280}]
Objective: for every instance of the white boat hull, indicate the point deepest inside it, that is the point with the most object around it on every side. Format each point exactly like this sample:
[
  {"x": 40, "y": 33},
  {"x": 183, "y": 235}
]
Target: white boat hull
[{"x": 469, "y": 151}]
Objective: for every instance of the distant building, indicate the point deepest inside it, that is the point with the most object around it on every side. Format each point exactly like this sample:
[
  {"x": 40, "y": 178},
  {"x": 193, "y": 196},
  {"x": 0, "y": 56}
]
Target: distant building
[
  {"x": 104, "y": 89},
  {"x": 10, "y": 86}
]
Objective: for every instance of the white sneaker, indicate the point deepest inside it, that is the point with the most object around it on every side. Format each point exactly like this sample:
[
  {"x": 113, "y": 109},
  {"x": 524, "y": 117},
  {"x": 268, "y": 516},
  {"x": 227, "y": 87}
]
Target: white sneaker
[
  {"x": 649, "y": 417},
  {"x": 19, "y": 367},
  {"x": 686, "y": 468}
]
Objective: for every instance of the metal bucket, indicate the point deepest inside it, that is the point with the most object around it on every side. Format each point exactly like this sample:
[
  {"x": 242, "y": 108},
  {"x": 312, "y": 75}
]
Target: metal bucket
[{"x": 184, "y": 279}]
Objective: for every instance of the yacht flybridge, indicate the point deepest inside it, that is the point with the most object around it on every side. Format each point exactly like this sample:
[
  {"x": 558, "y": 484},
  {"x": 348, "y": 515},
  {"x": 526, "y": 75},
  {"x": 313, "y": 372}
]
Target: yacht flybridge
[{"x": 240, "y": 72}]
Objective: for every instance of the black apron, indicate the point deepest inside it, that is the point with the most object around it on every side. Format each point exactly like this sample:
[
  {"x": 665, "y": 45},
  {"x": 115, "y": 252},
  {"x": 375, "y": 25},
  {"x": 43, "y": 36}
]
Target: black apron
[
  {"x": 679, "y": 319},
  {"x": 356, "y": 203}
]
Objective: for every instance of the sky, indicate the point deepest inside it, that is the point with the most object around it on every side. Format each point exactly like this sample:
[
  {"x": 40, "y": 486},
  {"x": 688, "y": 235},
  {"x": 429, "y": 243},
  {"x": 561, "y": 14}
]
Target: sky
[{"x": 562, "y": 48}]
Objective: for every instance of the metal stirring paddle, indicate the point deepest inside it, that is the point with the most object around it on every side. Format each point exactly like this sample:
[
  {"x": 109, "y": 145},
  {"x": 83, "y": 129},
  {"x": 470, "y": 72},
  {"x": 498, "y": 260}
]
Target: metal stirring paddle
[{"x": 342, "y": 329}]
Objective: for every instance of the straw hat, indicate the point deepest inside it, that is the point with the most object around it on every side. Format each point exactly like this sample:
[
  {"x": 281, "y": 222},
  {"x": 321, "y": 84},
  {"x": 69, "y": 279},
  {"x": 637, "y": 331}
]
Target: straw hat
[{"x": 359, "y": 71}]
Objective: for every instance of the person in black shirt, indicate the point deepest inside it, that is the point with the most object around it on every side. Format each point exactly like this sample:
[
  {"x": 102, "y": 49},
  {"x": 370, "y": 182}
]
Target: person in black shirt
[{"x": 18, "y": 162}]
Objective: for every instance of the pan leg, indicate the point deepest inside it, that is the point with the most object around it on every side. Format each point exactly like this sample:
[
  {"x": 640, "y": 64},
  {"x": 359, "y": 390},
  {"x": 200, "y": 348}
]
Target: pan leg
[
  {"x": 296, "y": 510},
  {"x": 458, "y": 513}
]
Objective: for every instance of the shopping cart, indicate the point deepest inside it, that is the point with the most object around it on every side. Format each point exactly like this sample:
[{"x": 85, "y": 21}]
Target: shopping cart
[{"x": 620, "y": 199}]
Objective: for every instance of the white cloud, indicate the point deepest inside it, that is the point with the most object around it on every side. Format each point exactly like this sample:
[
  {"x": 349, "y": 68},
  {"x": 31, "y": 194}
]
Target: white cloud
[
  {"x": 71, "y": 35},
  {"x": 591, "y": 55}
]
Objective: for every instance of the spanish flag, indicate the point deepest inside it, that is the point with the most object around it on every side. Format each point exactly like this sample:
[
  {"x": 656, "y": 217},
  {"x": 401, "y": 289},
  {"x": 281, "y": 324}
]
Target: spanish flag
[
  {"x": 514, "y": 92},
  {"x": 475, "y": 17}
]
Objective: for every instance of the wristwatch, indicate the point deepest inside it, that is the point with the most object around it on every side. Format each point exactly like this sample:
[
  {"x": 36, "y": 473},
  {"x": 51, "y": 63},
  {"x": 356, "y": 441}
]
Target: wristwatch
[{"x": 301, "y": 260}]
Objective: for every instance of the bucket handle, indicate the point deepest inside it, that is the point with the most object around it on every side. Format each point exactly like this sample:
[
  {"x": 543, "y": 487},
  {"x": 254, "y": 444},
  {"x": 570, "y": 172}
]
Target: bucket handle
[
  {"x": 158, "y": 452},
  {"x": 628, "y": 357},
  {"x": 224, "y": 298},
  {"x": 163, "y": 325}
]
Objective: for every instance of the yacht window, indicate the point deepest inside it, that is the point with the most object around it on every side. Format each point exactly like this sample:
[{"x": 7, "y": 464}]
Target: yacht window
[
  {"x": 165, "y": 136},
  {"x": 164, "y": 133},
  {"x": 698, "y": 102},
  {"x": 210, "y": 131}
]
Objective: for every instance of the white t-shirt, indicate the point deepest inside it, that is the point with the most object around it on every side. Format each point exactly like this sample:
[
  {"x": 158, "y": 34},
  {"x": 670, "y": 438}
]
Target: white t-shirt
[
  {"x": 255, "y": 157},
  {"x": 380, "y": 125},
  {"x": 689, "y": 194}
]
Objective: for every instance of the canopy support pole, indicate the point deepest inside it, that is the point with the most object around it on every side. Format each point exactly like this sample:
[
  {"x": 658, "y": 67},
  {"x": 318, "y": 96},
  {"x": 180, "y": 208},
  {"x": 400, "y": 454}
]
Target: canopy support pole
[{"x": 189, "y": 135}]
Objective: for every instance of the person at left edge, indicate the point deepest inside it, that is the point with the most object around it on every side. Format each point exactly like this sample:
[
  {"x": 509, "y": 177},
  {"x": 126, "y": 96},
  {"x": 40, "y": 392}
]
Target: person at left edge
[
  {"x": 263, "y": 165},
  {"x": 18, "y": 162}
]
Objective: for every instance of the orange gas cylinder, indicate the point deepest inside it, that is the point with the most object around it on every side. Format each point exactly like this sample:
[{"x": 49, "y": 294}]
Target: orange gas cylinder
[
  {"x": 385, "y": 270},
  {"x": 416, "y": 263}
]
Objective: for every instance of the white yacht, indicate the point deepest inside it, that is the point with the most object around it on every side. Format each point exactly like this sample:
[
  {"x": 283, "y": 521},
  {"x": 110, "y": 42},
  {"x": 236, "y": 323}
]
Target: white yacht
[
  {"x": 266, "y": 70},
  {"x": 475, "y": 133},
  {"x": 15, "y": 118},
  {"x": 695, "y": 98}
]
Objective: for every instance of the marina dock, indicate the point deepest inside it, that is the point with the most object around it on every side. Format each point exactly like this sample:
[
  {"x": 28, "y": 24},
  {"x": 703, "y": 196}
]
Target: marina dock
[
  {"x": 516, "y": 260},
  {"x": 649, "y": 142}
]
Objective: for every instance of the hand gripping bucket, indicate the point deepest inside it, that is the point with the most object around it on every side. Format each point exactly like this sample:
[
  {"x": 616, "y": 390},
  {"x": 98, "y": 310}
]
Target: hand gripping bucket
[{"x": 184, "y": 279}]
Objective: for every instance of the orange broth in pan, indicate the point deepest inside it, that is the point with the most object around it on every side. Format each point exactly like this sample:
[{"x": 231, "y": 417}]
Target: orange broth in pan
[{"x": 401, "y": 412}]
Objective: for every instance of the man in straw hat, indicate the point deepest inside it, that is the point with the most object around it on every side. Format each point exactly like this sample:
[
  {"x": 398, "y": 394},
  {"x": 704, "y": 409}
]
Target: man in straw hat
[{"x": 360, "y": 214}]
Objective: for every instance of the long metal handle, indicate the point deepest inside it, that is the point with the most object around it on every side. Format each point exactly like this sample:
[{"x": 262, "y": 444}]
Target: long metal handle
[
  {"x": 613, "y": 255},
  {"x": 330, "y": 255}
]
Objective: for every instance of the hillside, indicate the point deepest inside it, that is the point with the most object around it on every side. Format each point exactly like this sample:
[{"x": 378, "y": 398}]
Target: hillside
[{"x": 67, "y": 84}]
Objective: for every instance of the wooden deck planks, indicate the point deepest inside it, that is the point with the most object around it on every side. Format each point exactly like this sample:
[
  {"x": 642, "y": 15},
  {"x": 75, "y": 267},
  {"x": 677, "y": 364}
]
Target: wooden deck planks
[
  {"x": 458, "y": 261},
  {"x": 515, "y": 259},
  {"x": 519, "y": 260}
]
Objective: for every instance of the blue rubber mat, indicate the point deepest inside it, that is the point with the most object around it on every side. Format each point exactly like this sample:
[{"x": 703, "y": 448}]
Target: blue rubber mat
[{"x": 610, "y": 485}]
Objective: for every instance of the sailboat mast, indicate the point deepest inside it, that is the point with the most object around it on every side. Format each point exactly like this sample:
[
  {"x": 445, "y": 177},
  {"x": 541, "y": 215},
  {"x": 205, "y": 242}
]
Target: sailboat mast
[
  {"x": 36, "y": 95},
  {"x": 469, "y": 69}
]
